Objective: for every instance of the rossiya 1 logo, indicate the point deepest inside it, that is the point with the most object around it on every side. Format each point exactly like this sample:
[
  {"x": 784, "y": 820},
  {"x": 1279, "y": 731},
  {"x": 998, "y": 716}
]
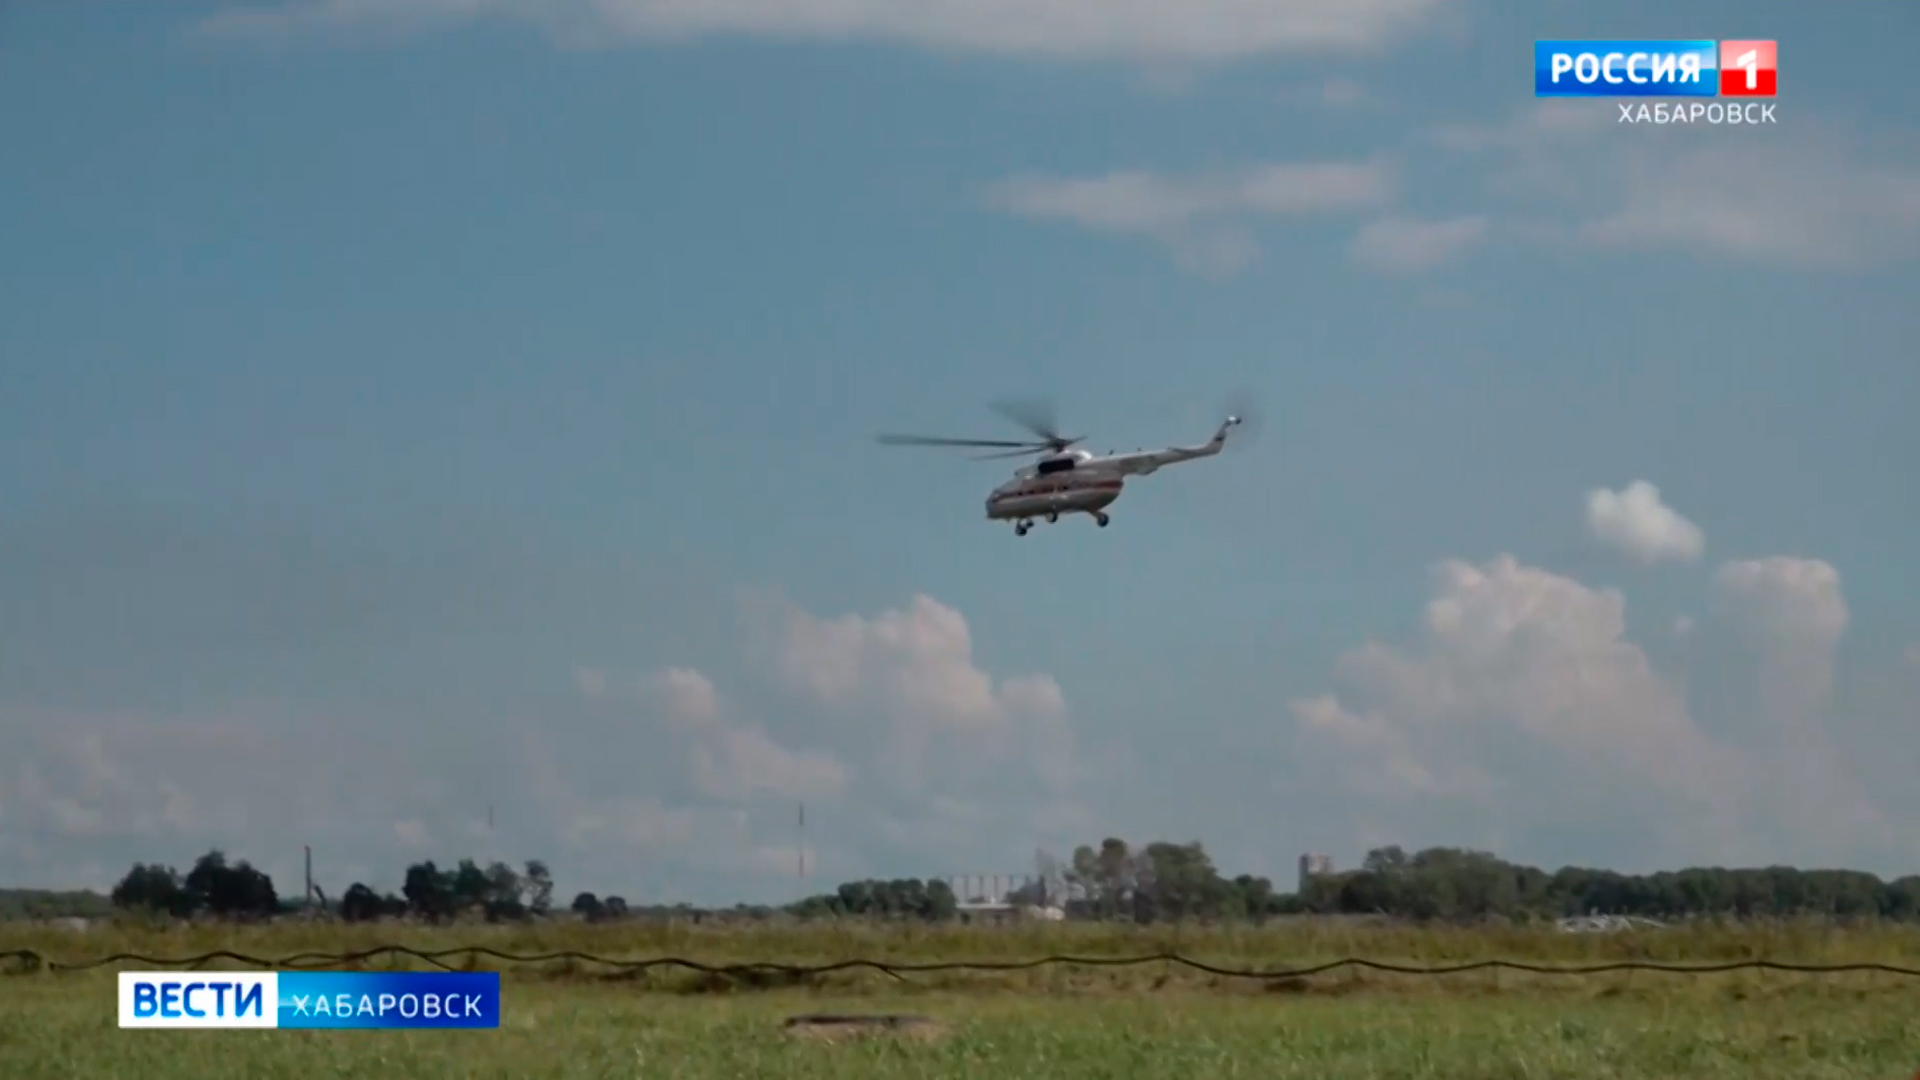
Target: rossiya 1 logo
[{"x": 1746, "y": 71}]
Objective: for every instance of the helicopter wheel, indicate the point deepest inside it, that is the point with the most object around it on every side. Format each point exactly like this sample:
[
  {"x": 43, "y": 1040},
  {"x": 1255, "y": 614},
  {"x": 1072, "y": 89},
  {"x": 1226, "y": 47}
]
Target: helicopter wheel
[
  {"x": 1102, "y": 519},
  {"x": 1052, "y": 517},
  {"x": 1021, "y": 529}
]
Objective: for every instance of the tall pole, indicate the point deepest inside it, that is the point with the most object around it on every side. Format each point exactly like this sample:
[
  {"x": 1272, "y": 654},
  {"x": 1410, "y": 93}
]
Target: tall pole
[{"x": 308, "y": 898}]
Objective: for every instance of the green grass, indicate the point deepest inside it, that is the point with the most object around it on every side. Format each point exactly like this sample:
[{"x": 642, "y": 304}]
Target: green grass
[
  {"x": 64, "y": 1027},
  {"x": 1057, "y": 1024}
]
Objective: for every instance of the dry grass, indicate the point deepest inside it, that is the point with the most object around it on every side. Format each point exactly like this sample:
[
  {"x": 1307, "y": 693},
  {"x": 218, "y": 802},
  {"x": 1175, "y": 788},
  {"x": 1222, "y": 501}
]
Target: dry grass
[
  {"x": 1058, "y": 1023},
  {"x": 1277, "y": 944}
]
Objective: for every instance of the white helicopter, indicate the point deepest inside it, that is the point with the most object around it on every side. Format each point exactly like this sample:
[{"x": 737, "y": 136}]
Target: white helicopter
[{"x": 1065, "y": 481}]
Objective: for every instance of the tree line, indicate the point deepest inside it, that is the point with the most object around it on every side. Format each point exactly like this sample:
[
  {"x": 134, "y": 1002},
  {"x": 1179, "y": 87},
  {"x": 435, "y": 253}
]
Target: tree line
[
  {"x": 1452, "y": 883},
  {"x": 1156, "y": 882}
]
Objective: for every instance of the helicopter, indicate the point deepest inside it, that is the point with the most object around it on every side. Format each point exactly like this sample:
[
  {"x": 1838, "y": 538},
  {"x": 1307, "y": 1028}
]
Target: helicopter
[{"x": 1065, "y": 480}]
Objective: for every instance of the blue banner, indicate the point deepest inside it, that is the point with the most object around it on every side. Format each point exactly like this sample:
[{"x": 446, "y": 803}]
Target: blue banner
[
  {"x": 1648, "y": 68},
  {"x": 389, "y": 999}
]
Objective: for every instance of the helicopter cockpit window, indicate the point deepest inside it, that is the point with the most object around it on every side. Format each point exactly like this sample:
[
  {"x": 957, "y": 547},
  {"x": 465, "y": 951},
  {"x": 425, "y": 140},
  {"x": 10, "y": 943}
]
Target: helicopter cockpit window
[{"x": 1056, "y": 465}]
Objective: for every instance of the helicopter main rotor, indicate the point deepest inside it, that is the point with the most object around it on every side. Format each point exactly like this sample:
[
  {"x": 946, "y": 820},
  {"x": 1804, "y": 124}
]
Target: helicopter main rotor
[{"x": 1034, "y": 416}]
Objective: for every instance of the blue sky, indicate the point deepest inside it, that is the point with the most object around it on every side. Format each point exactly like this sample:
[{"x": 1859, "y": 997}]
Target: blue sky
[{"x": 417, "y": 407}]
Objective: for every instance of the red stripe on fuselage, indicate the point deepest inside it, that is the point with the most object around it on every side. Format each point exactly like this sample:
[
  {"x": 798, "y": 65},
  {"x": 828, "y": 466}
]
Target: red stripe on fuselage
[{"x": 1072, "y": 489}]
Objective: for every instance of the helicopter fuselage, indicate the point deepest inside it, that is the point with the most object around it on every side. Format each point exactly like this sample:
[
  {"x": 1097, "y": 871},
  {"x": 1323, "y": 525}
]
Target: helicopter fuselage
[{"x": 1071, "y": 491}]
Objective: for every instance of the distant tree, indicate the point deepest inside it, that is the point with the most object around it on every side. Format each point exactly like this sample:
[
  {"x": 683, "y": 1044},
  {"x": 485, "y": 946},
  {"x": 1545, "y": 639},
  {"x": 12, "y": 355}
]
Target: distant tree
[
  {"x": 360, "y": 904},
  {"x": 539, "y": 885},
  {"x": 470, "y": 886},
  {"x": 230, "y": 891},
  {"x": 940, "y": 902},
  {"x": 898, "y": 898},
  {"x": 614, "y": 907},
  {"x": 154, "y": 888},
  {"x": 503, "y": 894},
  {"x": 1901, "y": 898},
  {"x": 429, "y": 891},
  {"x": 588, "y": 906}
]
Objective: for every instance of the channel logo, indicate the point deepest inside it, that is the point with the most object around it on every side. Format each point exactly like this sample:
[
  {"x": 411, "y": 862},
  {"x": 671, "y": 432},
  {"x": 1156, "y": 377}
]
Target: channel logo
[
  {"x": 310, "y": 999},
  {"x": 1655, "y": 68}
]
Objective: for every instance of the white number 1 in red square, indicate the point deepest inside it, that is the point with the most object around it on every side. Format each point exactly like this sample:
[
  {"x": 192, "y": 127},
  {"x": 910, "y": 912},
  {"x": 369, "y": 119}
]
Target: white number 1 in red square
[{"x": 1748, "y": 68}]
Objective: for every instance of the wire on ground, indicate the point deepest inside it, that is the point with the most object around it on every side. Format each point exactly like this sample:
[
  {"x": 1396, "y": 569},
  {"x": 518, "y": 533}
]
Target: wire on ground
[{"x": 22, "y": 960}]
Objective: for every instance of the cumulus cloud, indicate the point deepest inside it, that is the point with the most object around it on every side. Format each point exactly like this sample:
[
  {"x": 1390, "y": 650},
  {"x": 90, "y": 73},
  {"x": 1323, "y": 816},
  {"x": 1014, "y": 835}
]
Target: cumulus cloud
[
  {"x": 689, "y": 696},
  {"x": 1635, "y": 521},
  {"x": 1785, "y": 601},
  {"x": 1400, "y": 245},
  {"x": 1203, "y": 219},
  {"x": 1521, "y": 651},
  {"x": 1197, "y": 30},
  {"x": 733, "y": 761},
  {"x": 913, "y": 669},
  {"x": 1524, "y": 714},
  {"x": 910, "y": 756},
  {"x": 1522, "y": 708},
  {"x": 1792, "y": 611}
]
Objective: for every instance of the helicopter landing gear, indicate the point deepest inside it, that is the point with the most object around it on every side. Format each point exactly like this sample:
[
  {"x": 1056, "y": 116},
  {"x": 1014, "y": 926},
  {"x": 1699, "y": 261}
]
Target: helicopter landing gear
[
  {"x": 1020, "y": 527},
  {"x": 1101, "y": 519},
  {"x": 1052, "y": 517}
]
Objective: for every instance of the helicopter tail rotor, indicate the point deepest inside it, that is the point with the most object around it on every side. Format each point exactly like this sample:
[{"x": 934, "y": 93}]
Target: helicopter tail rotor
[{"x": 1243, "y": 415}]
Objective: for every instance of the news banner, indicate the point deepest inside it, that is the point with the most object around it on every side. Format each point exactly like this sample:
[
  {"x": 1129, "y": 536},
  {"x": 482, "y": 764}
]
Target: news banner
[
  {"x": 1741, "y": 77},
  {"x": 310, "y": 999}
]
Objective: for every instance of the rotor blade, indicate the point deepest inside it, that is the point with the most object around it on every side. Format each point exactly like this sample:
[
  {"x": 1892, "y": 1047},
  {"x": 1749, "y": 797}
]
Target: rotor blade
[
  {"x": 1034, "y": 415},
  {"x": 1023, "y": 452},
  {"x": 930, "y": 440}
]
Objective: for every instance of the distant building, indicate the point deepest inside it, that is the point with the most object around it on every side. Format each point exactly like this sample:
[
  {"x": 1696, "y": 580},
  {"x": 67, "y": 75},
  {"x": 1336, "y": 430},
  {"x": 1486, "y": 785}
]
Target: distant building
[{"x": 1312, "y": 866}]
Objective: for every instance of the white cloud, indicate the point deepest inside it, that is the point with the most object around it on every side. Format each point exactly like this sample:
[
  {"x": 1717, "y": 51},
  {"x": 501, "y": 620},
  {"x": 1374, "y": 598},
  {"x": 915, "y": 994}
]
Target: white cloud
[
  {"x": 911, "y": 758},
  {"x": 1202, "y": 219},
  {"x": 731, "y": 761},
  {"x": 1792, "y": 611},
  {"x": 1399, "y": 245},
  {"x": 689, "y": 697},
  {"x": 1773, "y": 204},
  {"x": 1525, "y": 715},
  {"x": 746, "y": 762},
  {"x": 1196, "y": 30},
  {"x": 1785, "y": 602},
  {"x": 1635, "y": 521},
  {"x": 913, "y": 668},
  {"x": 1806, "y": 197},
  {"x": 1523, "y": 707}
]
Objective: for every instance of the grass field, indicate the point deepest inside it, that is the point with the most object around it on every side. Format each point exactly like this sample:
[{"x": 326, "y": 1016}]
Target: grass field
[{"x": 1055, "y": 1023}]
